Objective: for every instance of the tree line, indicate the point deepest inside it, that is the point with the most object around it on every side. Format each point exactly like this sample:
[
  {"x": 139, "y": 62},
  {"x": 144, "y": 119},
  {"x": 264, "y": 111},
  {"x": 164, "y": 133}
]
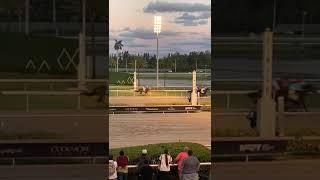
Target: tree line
[{"x": 173, "y": 61}]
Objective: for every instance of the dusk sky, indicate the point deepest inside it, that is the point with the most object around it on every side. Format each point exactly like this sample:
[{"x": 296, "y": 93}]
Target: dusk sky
[{"x": 186, "y": 25}]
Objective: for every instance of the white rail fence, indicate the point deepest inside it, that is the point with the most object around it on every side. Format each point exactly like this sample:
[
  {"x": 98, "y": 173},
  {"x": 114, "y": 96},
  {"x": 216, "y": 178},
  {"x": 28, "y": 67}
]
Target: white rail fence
[
  {"x": 25, "y": 83},
  {"x": 27, "y": 95}
]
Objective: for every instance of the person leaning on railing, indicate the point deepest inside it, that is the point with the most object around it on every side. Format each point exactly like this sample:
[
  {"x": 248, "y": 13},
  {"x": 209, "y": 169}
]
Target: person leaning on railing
[
  {"x": 122, "y": 169},
  {"x": 190, "y": 167},
  {"x": 141, "y": 162}
]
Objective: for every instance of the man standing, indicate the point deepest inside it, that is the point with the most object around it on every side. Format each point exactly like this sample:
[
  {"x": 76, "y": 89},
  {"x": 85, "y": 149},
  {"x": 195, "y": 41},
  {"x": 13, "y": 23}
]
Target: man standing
[
  {"x": 190, "y": 167},
  {"x": 141, "y": 162},
  {"x": 179, "y": 159},
  {"x": 112, "y": 168}
]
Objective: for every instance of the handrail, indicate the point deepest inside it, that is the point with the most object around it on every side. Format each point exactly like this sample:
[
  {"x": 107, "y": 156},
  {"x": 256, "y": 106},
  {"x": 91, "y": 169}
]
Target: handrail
[
  {"x": 156, "y": 165},
  {"x": 40, "y": 92}
]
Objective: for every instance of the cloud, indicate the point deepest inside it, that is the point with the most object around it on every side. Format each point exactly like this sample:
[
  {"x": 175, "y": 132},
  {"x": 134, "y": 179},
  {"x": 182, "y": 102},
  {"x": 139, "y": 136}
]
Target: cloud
[
  {"x": 154, "y": 7},
  {"x": 144, "y": 33},
  {"x": 188, "y": 19}
]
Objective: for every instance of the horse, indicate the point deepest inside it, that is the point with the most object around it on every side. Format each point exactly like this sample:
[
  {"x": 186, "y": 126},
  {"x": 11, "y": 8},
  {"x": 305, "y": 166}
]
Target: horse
[
  {"x": 296, "y": 98},
  {"x": 293, "y": 97},
  {"x": 143, "y": 89},
  {"x": 100, "y": 91},
  {"x": 202, "y": 91}
]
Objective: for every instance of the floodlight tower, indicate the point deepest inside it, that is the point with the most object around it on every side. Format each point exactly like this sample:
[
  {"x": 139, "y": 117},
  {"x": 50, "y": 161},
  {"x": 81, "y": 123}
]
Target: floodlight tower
[{"x": 157, "y": 30}]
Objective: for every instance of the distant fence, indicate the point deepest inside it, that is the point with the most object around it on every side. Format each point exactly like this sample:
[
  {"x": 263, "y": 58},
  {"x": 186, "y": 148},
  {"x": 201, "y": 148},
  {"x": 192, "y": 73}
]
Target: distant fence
[{"x": 120, "y": 92}]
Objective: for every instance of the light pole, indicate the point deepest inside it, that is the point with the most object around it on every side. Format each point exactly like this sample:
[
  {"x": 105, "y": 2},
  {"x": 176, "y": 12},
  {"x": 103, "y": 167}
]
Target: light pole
[
  {"x": 274, "y": 15},
  {"x": 27, "y": 16},
  {"x": 157, "y": 30},
  {"x": 304, "y": 13}
]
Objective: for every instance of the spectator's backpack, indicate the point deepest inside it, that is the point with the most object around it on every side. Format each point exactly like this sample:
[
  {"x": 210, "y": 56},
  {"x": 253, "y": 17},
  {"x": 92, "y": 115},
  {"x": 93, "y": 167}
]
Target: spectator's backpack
[{"x": 112, "y": 168}]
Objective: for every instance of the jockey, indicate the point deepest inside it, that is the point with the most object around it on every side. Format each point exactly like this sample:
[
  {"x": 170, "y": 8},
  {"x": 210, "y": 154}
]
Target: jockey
[
  {"x": 275, "y": 87},
  {"x": 294, "y": 86}
]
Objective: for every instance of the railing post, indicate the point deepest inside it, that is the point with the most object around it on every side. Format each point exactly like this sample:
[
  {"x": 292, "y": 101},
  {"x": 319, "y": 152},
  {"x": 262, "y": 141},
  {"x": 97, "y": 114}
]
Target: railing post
[
  {"x": 13, "y": 162},
  {"x": 280, "y": 116},
  {"x": 228, "y": 101},
  {"x": 79, "y": 102},
  {"x": 27, "y": 103}
]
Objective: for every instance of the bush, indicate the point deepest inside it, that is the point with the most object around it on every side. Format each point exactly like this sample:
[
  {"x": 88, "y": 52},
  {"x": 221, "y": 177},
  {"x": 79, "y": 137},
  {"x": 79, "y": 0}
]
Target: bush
[{"x": 154, "y": 151}]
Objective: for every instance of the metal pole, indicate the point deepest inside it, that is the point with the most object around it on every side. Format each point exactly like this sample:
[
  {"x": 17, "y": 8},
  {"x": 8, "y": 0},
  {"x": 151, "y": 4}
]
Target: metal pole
[
  {"x": 117, "y": 66},
  {"x": 303, "y": 29},
  {"x": 274, "y": 15},
  {"x": 54, "y": 16},
  {"x": 196, "y": 64},
  {"x": 27, "y": 16},
  {"x": 157, "y": 61},
  {"x": 175, "y": 65},
  {"x": 84, "y": 17},
  {"x": 82, "y": 61}
]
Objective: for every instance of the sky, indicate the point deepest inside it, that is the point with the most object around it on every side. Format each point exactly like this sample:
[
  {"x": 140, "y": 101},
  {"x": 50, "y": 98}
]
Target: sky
[{"x": 186, "y": 25}]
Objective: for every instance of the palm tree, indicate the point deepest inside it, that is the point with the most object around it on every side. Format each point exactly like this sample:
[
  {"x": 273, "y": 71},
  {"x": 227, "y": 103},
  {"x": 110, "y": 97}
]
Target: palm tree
[
  {"x": 113, "y": 63},
  {"x": 126, "y": 56},
  {"x": 118, "y": 46}
]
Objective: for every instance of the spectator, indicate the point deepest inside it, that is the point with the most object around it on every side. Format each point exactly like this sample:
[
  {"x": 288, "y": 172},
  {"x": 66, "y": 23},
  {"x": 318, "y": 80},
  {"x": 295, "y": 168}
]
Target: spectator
[
  {"x": 147, "y": 171},
  {"x": 179, "y": 159},
  {"x": 164, "y": 165},
  {"x": 141, "y": 162},
  {"x": 112, "y": 168},
  {"x": 122, "y": 169},
  {"x": 190, "y": 167}
]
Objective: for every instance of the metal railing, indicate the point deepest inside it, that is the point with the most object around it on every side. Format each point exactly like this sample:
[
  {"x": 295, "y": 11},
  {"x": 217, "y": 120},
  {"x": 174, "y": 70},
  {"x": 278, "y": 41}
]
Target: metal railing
[
  {"x": 156, "y": 165},
  {"x": 89, "y": 160},
  {"x": 27, "y": 95},
  {"x": 150, "y": 93}
]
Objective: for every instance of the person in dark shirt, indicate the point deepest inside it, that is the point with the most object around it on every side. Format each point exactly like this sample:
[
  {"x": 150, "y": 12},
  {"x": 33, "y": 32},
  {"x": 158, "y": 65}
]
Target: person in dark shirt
[
  {"x": 141, "y": 162},
  {"x": 147, "y": 171}
]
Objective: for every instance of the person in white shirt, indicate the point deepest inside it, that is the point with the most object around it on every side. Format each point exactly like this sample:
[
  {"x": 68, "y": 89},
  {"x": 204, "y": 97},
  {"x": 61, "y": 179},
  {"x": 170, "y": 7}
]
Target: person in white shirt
[
  {"x": 112, "y": 168},
  {"x": 164, "y": 165}
]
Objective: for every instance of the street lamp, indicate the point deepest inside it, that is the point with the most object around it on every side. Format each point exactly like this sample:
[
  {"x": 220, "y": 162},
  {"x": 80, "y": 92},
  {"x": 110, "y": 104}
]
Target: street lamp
[
  {"x": 157, "y": 30},
  {"x": 274, "y": 15},
  {"x": 304, "y": 13}
]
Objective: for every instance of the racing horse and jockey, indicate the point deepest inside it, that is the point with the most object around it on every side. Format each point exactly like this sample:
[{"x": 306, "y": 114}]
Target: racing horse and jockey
[
  {"x": 294, "y": 93},
  {"x": 143, "y": 89},
  {"x": 201, "y": 92},
  {"x": 100, "y": 92}
]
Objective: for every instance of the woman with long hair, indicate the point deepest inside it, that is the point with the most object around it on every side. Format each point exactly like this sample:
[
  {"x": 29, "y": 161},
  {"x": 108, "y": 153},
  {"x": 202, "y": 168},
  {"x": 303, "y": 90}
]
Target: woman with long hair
[{"x": 164, "y": 165}]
